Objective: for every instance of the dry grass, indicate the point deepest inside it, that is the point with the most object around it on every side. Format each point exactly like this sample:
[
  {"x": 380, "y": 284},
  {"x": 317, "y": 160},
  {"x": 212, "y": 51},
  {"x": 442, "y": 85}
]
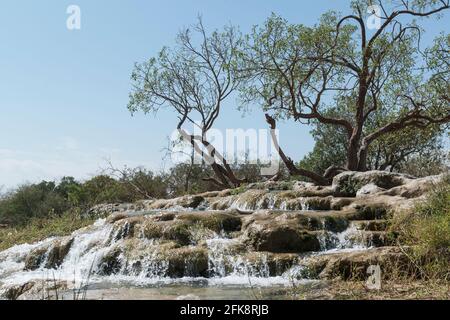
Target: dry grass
[{"x": 390, "y": 290}]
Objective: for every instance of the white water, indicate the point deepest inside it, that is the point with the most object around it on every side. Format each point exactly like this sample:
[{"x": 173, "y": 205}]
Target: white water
[
  {"x": 263, "y": 201},
  {"x": 82, "y": 264}
]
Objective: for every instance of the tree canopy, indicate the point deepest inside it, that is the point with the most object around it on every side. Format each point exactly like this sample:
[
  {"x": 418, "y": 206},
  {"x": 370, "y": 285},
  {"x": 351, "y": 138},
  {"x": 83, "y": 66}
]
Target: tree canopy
[{"x": 366, "y": 84}]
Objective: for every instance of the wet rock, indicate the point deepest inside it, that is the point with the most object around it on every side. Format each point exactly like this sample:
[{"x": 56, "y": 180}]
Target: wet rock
[
  {"x": 126, "y": 228},
  {"x": 340, "y": 203},
  {"x": 110, "y": 263},
  {"x": 188, "y": 262},
  {"x": 188, "y": 202},
  {"x": 318, "y": 203},
  {"x": 36, "y": 258},
  {"x": 374, "y": 238},
  {"x": 280, "y": 238},
  {"x": 14, "y": 292},
  {"x": 216, "y": 221},
  {"x": 369, "y": 211},
  {"x": 165, "y": 216},
  {"x": 371, "y": 225},
  {"x": 58, "y": 252},
  {"x": 178, "y": 231},
  {"x": 306, "y": 189}
]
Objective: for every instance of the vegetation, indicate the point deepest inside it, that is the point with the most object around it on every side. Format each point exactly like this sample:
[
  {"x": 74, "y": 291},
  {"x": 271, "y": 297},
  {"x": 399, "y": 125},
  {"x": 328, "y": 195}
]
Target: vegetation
[
  {"x": 418, "y": 153},
  {"x": 427, "y": 230},
  {"x": 38, "y": 229},
  {"x": 193, "y": 79},
  {"x": 376, "y": 98},
  {"x": 365, "y": 85},
  {"x": 51, "y": 199},
  {"x": 31, "y": 204}
]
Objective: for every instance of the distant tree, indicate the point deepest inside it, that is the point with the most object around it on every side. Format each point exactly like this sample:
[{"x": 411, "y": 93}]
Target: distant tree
[
  {"x": 138, "y": 183},
  {"x": 193, "y": 79},
  {"x": 381, "y": 79},
  {"x": 31, "y": 200}
]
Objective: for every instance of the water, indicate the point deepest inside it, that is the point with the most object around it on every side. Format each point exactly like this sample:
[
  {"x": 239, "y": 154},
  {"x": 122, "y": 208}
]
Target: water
[{"x": 141, "y": 273}]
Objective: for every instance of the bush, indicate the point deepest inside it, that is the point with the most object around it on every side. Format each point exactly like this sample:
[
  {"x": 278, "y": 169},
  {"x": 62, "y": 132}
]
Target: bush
[
  {"x": 36, "y": 200},
  {"x": 427, "y": 231},
  {"x": 38, "y": 229}
]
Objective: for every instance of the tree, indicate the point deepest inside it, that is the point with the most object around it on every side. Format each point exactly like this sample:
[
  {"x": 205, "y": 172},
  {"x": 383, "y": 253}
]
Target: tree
[
  {"x": 193, "y": 79},
  {"x": 404, "y": 151},
  {"x": 381, "y": 79}
]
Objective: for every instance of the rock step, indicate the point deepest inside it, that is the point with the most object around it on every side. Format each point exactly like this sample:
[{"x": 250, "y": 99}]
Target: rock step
[
  {"x": 374, "y": 238},
  {"x": 371, "y": 225},
  {"x": 353, "y": 265}
]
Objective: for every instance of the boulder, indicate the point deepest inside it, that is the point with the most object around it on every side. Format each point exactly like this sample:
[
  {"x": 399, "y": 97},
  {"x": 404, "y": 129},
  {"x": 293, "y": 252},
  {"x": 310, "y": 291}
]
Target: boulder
[
  {"x": 369, "y": 189},
  {"x": 280, "y": 238},
  {"x": 58, "y": 252},
  {"x": 353, "y": 265},
  {"x": 348, "y": 183}
]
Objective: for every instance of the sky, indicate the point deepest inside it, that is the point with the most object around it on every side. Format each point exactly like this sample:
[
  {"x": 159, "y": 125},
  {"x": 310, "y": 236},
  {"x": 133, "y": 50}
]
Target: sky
[{"x": 63, "y": 94}]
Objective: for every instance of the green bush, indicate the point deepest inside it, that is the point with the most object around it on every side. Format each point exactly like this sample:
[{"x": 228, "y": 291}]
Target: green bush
[
  {"x": 28, "y": 201},
  {"x": 427, "y": 230},
  {"x": 38, "y": 229}
]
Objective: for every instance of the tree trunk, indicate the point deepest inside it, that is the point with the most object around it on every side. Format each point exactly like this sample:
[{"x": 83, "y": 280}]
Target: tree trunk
[{"x": 293, "y": 170}]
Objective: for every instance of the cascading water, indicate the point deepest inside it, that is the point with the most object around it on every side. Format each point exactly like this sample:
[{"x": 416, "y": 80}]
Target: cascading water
[{"x": 104, "y": 253}]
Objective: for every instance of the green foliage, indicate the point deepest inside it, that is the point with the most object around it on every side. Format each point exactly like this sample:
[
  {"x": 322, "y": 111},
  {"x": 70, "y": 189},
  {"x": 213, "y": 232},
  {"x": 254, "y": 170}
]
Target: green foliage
[
  {"x": 374, "y": 98},
  {"x": 427, "y": 229},
  {"x": 47, "y": 199},
  {"x": 38, "y": 229},
  {"x": 415, "y": 152},
  {"x": 51, "y": 199},
  {"x": 38, "y": 200}
]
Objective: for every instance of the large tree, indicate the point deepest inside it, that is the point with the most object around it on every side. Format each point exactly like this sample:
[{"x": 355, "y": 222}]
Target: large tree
[
  {"x": 193, "y": 79},
  {"x": 383, "y": 80}
]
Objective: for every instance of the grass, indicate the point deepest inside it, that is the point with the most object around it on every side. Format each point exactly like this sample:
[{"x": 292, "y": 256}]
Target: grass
[
  {"x": 390, "y": 290},
  {"x": 426, "y": 230},
  {"x": 38, "y": 229}
]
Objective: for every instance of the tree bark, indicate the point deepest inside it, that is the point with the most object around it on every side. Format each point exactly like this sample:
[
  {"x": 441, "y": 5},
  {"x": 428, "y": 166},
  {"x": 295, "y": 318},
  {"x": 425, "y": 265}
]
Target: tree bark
[{"x": 293, "y": 170}]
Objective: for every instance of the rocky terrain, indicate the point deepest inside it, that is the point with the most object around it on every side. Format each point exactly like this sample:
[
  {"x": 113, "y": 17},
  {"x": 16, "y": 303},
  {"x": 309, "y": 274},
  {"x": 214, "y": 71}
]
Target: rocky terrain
[{"x": 272, "y": 233}]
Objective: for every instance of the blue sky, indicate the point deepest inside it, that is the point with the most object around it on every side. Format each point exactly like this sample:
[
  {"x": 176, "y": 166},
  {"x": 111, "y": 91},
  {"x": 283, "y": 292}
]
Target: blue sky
[{"x": 64, "y": 93}]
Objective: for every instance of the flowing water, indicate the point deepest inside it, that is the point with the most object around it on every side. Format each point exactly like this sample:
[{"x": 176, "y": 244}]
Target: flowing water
[{"x": 230, "y": 275}]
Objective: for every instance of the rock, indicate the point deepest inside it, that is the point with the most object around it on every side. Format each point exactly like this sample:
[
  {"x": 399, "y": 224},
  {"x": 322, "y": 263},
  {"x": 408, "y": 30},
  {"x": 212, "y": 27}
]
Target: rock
[
  {"x": 282, "y": 236},
  {"x": 415, "y": 188},
  {"x": 353, "y": 265},
  {"x": 49, "y": 255},
  {"x": 348, "y": 183},
  {"x": 369, "y": 189},
  {"x": 36, "y": 258},
  {"x": 215, "y": 221},
  {"x": 318, "y": 203},
  {"x": 306, "y": 189},
  {"x": 188, "y": 202},
  {"x": 186, "y": 262},
  {"x": 58, "y": 252},
  {"x": 35, "y": 290},
  {"x": 14, "y": 292},
  {"x": 110, "y": 263},
  {"x": 371, "y": 225}
]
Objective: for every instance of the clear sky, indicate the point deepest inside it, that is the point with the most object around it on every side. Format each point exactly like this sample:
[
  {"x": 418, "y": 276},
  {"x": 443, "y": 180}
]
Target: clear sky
[{"x": 63, "y": 94}]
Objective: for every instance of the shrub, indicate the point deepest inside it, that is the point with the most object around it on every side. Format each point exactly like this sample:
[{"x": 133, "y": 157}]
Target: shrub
[{"x": 427, "y": 231}]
